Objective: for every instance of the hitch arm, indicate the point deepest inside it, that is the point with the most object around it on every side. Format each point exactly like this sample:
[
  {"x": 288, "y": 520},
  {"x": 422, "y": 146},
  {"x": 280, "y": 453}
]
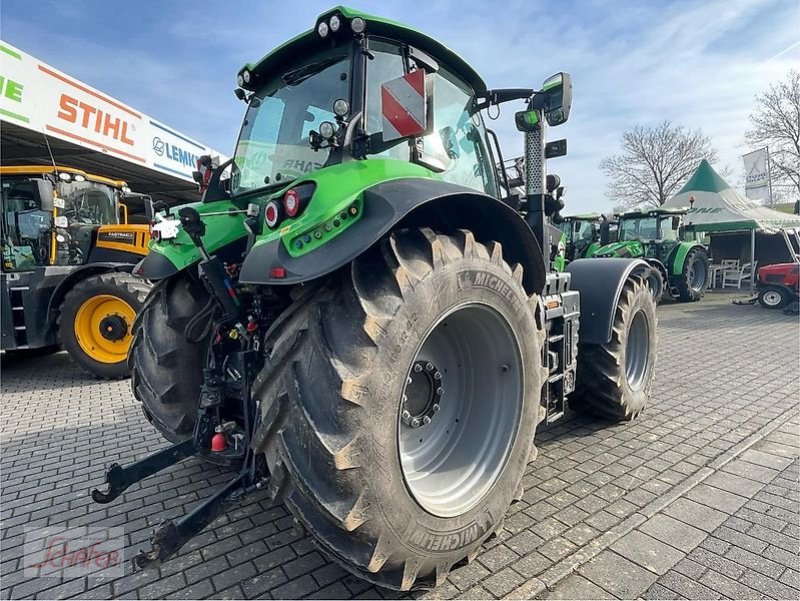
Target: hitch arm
[
  {"x": 170, "y": 536},
  {"x": 120, "y": 478}
]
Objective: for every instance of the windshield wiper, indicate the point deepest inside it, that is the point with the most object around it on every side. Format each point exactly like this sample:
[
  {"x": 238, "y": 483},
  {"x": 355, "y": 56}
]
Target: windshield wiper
[{"x": 299, "y": 75}]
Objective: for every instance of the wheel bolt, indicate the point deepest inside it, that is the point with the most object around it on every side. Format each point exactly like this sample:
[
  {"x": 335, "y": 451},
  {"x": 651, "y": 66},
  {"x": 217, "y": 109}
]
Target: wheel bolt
[
  {"x": 426, "y": 420},
  {"x": 409, "y": 380},
  {"x": 415, "y": 423},
  {"x": 436, "y": 407},
  {"x": 504, "y": 368},
  {"x": 417, "y": 368},
  {"x": 405, "y": 399},
  {"x": 406, "y": 415},
  {"x": 439, "y": 391},
  {"x": 429, "y": 366},
  {"x": 437, "y": 375}
]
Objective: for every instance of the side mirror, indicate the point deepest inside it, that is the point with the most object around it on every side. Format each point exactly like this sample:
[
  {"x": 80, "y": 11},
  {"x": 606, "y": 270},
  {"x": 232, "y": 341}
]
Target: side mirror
[
  {"x": 43, "y": 190},
  {"x": 557, "y": 92},
  {"x": 681, "y": 232},
  {"x": 676, "y": 222},
  {"x": 605, "y": 233},
  {"x": 406, "y": 106}
]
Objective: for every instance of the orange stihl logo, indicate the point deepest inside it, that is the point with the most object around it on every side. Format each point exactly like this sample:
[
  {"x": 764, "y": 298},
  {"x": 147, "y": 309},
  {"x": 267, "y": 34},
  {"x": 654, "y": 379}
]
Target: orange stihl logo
[{"x": 91, "y": 117}]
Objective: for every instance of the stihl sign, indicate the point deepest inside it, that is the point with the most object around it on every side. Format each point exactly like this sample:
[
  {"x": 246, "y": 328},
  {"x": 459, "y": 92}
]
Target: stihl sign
[
  {"x": 94, "y": 118},
  {"x": 36, "y": 96}
]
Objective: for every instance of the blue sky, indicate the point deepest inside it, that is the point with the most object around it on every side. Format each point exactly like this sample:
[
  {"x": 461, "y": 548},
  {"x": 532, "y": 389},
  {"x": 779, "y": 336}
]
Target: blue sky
[{"x": 698, "y": 63}]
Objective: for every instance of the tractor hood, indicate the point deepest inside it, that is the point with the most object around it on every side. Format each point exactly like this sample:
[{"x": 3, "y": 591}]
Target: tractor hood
[{"x": 629, "y": 249}]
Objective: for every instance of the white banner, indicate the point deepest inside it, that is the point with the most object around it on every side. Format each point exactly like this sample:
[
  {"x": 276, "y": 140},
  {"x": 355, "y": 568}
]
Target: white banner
[
  {"x": 37, "y": 96},
  {"x": 756, "y": 174}
]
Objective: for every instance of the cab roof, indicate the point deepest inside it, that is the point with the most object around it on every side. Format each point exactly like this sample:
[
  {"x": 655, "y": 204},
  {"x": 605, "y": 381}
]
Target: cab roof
[
  {"x": 661, "y": 211},
  {"x": 583, "y": 217},
  {"x": 55, "y": 170},
  {"x": 309, "y": 41}
]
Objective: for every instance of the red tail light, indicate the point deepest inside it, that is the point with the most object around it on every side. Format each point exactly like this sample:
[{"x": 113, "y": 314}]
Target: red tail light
[
  {"x": 272, "y": 214},
  {"x": 291, "y": 203}
]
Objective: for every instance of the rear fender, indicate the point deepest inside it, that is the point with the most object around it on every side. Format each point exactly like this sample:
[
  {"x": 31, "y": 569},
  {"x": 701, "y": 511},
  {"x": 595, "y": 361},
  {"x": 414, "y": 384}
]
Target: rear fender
[
  {"x": 678, "y": 255},
  {"x": 406, "y": 202},
  {"x": 600, "y": 282}
]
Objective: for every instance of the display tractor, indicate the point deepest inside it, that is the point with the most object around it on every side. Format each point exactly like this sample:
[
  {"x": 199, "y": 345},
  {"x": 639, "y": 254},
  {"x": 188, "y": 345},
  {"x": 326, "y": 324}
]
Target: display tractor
[
  {"x": 679, "y": 266},
  {"x": 361, "y": 317},
  {"x": 67, "y": 255},
  {"x": 583, "y": 235},
  {"x": 778, "y": 286}
]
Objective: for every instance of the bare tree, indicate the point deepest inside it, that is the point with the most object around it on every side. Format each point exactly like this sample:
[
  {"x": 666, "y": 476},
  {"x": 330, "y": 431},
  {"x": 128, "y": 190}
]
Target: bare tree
[
  {"x": 654, "y": 163},
  {"x": 776, "y": 124}
]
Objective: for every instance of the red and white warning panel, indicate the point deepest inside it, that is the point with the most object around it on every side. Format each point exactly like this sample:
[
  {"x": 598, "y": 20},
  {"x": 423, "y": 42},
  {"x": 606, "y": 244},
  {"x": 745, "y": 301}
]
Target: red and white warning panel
[
  {"x": 404, "y": 106},
  {"x": 39, "y": 97}
]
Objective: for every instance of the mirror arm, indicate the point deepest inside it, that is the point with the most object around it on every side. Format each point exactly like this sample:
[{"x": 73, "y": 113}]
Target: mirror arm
[{"x": 493, "y": 97}]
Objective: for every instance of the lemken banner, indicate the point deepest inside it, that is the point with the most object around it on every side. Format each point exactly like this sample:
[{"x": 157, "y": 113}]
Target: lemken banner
[
  {"x": 756, "y": 173},
  {"x": 38, "y": 97}
]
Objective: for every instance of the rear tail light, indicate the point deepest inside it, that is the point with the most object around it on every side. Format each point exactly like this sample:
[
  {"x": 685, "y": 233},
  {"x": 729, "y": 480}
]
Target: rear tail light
[
  {"x": 291, "y": 203},
  {"x": 272, "y": 214}
]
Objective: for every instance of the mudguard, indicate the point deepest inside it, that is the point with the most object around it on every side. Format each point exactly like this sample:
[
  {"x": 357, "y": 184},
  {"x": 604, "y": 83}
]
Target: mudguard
[
  {"x": 74, "y": 277},
  {"x": 404, "y": 202},
  {"x": 678, "y": 255},
  {"x": 600, "y": 282}
]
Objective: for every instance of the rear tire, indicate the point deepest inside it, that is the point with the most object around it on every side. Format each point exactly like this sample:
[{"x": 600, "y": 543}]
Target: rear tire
[
  {"x": 335, "y": 391},
  {"x": 694, "y": 278},
  {"x": 773, "y": 297},
  {"x": 166, "y": 368},
  {"x": 614, "y": 379},
  {"x": 96, "y": 319},
  {"x": 655, "y": 282}
]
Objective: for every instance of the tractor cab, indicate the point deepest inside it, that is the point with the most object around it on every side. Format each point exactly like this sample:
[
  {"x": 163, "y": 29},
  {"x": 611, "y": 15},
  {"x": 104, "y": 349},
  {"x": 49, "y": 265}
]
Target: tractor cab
[
  {"x": 581, "y": 235},
  {"x": 56, "y": 216},
  {"x": 650, "y": 233}
]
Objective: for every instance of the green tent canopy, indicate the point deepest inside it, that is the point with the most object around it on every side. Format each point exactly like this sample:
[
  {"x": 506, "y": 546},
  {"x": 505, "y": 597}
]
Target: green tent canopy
[{"x": 719, "y": 208}]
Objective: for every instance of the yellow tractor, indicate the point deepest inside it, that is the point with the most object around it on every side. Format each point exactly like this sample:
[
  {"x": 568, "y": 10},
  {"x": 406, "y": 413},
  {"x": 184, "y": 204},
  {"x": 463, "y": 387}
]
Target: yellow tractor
[{"x": 67, "y": 252}]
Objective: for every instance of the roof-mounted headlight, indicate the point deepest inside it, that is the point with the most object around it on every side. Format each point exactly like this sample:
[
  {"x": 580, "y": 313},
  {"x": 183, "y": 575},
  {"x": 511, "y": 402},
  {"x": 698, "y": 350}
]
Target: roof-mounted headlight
[
  {"x": 322, "y": 29},
  {"x": 358, "y": 25},
  {"x": 240, "y": 80},
  {"x": 335, "y": 23},
  {"x": 246, "y": 76},
  {"x": 341, "y": 107}
]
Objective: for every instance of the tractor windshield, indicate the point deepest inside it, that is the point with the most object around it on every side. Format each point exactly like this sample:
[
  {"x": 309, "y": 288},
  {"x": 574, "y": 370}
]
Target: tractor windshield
[
  {"x": 273, "y": 144},
  {"x": 88, "y": 203},
  {"x": 638, "y": 229}
]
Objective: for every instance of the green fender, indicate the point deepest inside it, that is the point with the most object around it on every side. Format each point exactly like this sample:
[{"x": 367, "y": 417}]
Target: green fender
[
  {"x": 591, "y": 250},
  {"x": 337, "y": 187},
  {"x": 679, "y": 255}
]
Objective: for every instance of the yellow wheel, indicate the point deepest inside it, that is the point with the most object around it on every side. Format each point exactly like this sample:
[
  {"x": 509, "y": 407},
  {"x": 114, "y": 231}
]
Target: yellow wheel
[
  {"x": 103, "y": 328},
  {"x": 96, "y": 322}
]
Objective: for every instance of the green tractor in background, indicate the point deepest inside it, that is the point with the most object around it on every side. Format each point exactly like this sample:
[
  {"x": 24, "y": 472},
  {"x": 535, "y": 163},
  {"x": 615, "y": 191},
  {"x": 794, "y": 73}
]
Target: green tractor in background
[
  {"x": 364, "y": 318},
  {"x": 584, "y": 234},
  {"x": 679, "y": 267}
]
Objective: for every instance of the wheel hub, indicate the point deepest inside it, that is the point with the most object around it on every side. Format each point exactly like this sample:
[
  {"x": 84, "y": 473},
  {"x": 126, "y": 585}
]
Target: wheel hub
[
  {"x": 423, "y": 394},
  {"x": 113, "y": 327}
]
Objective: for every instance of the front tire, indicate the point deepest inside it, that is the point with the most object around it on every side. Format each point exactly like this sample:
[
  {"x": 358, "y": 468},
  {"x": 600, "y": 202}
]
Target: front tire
[
  {"x": 694, "y": 278},
  {"x": 96, "y": 319},
  {"x": 392, "y": 488},
  {"x": 773, "y": 297},
  {"x": 614, "y": 379},
  {"x": 166, "y": 368}
]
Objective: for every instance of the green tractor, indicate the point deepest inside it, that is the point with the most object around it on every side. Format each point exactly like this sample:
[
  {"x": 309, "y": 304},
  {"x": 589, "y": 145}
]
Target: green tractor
[
  {"x": 583, "y": 235},
  {"x": 360, "y": 316},
  {"x": 679, "y": 267}
]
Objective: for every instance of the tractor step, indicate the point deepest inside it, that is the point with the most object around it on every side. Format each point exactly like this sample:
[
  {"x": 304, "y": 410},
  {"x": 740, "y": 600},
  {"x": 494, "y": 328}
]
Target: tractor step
[{"x": 170, "y": 536}]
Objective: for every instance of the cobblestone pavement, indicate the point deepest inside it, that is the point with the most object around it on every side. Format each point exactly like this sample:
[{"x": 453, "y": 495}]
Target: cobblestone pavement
[{"x": 623, "y": 497}]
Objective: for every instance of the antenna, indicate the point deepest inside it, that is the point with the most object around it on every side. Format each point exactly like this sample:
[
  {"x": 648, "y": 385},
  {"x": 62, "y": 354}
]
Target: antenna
[{"x": 50, "y": 152}]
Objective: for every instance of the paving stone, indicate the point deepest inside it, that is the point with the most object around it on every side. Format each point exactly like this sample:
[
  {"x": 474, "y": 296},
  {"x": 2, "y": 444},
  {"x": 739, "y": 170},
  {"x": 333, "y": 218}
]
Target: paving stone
[
  {"x": 673, "y": 532},
  {"x": 617, "y": 575},
  {"x": 763, "y": 459},
  {"x": 686, "y": 587},
  {"x": 716, "y": 498},
  {"x": 732, "y": 483},
  {"x": 727, "y": 586},
  {"x": 647, "y": 552},
  {"x": 695, "y": 514},
  {"x": 576, "y": 586}
]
